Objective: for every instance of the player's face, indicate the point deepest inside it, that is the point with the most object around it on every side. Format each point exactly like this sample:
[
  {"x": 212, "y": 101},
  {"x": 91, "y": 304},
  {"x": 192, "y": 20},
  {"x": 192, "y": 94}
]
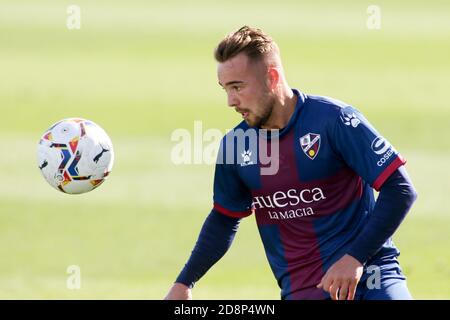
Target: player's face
[{"x": 247, "y": 88}]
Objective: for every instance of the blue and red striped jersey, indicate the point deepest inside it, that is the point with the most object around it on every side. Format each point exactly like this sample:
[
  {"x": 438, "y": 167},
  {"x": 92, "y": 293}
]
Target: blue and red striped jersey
[{"x": 318, "y": 193}]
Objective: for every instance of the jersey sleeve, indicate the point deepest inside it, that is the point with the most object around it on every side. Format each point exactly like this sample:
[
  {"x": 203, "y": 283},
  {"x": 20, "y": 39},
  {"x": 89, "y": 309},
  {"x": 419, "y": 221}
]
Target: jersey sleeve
[
  {"x": 369, "y": 154},
  {"x": 231, "y": 195}
]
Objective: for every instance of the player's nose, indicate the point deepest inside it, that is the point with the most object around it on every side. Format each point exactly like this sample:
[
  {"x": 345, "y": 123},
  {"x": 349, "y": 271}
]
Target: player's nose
[{"x": 233, "y": 101}]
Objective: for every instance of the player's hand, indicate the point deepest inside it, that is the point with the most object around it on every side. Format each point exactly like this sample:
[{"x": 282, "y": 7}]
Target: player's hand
[
  {"x": 342, "y": 278},
  {"x": 179, "y": 291}
]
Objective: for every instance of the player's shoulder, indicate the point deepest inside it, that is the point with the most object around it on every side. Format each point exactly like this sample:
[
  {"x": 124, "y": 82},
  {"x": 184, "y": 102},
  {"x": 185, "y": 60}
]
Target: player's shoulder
[
  {"x": 325, "y": 109},
  {"x": 326, "y": 105}
]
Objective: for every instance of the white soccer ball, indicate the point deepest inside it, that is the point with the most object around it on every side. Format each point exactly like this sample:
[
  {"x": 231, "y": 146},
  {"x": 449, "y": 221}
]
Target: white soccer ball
[{"x": 75, "y": 155}]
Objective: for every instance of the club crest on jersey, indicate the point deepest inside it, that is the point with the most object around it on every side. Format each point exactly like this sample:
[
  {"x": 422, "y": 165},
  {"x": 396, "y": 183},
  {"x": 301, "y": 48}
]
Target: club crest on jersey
[{"x": 310, "y": 144}]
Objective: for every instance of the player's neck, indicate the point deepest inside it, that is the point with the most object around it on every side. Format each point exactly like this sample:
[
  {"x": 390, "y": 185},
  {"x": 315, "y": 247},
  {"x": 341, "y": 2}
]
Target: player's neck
[{"x": 283, "y": 110}]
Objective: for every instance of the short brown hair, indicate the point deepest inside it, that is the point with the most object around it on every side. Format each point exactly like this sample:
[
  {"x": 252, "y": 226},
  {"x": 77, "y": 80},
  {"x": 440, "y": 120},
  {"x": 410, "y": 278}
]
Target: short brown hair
[{"x": 252, "y": 41}]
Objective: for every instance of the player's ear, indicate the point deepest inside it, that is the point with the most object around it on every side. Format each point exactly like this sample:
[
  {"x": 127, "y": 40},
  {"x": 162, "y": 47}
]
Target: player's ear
[{"x": 273, "y": 77}]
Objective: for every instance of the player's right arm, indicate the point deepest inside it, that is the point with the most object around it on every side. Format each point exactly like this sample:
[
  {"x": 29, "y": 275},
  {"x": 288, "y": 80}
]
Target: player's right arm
[
  {"x": 179, "y": 291},
  {"x": 214, "y": 240},
  {"x": 232, "y": 201}
]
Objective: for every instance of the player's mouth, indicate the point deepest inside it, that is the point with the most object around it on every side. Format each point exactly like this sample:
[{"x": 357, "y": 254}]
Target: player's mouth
[{"x": 243, "y": 113}]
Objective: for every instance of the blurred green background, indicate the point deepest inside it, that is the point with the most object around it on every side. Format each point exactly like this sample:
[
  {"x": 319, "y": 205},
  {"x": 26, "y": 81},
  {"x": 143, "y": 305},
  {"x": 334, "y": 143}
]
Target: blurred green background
[{"x": 142, "y": 69}]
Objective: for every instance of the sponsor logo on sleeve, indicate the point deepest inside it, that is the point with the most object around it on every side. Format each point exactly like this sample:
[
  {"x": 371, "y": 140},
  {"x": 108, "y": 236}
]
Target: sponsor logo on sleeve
[{"x": 382, "y": 147}]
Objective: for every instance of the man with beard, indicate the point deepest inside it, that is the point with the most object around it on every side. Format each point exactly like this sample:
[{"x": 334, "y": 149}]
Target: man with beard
[{"x": 322, "y": 230}]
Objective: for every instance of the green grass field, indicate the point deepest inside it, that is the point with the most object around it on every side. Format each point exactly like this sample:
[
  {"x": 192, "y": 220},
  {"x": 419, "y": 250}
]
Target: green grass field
[{"x": 142, "y": 69}]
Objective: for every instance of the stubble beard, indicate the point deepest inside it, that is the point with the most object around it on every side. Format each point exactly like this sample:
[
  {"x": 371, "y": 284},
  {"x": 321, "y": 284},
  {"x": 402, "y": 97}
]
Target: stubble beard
[{"x": 261, "y": 120}]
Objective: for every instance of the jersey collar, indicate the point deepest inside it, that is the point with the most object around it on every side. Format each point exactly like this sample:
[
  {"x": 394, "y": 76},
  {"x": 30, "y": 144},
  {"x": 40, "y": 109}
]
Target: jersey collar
[{"x": 301, "y": 98}]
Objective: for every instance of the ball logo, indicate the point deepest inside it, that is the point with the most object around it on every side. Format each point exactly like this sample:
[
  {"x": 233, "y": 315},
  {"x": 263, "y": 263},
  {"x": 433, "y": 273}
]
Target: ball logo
[{"x": 380, "y": 145}]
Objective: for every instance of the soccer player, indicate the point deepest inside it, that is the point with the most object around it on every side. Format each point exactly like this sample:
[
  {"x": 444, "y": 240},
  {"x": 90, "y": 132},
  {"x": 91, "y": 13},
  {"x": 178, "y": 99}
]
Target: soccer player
[{"x": 324, "y": 234}]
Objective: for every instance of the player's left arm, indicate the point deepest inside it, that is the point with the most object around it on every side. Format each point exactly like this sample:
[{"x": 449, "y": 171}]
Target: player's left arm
[
  {"x": 378, "y": 163},
  {"x": 396, "y": 197}
]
